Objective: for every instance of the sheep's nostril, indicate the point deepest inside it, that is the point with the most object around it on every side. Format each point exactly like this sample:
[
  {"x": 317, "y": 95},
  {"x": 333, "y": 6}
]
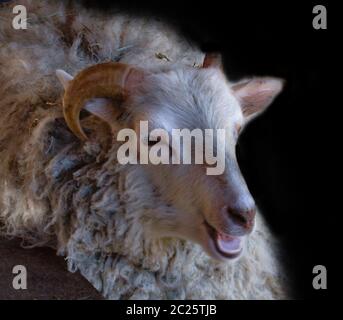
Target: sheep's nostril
[
  {"x": 239, "y": 219},
  {"x": 243, "y": 218}
]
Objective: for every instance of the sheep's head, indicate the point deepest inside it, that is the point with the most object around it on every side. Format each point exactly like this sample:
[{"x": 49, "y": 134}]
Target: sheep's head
[{"x": 215, "y": 211}]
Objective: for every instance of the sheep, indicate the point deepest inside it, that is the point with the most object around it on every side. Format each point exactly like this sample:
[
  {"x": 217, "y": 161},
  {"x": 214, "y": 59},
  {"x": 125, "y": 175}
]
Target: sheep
[{"x": 133, "y": 231}]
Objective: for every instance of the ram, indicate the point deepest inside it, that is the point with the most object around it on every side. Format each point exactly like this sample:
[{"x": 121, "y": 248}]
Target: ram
[{"x": 135, "y": 231}]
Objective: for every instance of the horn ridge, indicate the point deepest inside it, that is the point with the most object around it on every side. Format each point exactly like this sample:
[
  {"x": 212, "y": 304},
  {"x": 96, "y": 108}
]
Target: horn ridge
[{"x": 104, "y": 80}]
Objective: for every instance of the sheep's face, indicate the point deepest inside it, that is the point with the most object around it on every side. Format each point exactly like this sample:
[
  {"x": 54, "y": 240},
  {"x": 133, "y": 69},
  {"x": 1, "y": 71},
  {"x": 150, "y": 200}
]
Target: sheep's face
[{"x": 214, "y": 210}]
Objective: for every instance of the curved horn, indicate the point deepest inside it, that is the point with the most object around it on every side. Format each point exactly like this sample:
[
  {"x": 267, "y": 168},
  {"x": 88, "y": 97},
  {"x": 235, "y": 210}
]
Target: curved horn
[{"x": 105, "y": 80}]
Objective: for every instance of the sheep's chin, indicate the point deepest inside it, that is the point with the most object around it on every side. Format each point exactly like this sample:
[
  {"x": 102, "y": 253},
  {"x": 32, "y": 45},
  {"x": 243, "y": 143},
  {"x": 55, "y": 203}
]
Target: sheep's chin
[{"x": 221, "y": 246}]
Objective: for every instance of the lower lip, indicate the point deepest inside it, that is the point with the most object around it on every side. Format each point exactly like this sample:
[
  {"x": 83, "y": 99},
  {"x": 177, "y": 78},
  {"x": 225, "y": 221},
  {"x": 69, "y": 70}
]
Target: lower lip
[{"x": 213, "y": 233}]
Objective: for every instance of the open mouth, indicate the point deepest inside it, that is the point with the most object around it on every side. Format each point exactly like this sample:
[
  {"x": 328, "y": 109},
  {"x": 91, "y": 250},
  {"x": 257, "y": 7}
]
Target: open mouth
[{"x": 226, "y": 245}]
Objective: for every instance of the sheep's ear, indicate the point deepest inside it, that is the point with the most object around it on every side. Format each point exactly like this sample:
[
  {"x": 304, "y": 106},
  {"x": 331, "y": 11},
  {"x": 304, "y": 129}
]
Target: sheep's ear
[
  {"x": 100, "y": 107},
  {"x": 213, "y": 60},
  {"x": 64, "y": 78},
  {"x": 107, "y": 109},
  {"x": 104, "y": 109},
  {"x": 257, "y": 94}
]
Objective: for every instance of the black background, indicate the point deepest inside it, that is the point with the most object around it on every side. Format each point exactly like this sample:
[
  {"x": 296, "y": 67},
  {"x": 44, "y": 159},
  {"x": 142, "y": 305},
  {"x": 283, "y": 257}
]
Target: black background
[{"x": 284, "y": 154}]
